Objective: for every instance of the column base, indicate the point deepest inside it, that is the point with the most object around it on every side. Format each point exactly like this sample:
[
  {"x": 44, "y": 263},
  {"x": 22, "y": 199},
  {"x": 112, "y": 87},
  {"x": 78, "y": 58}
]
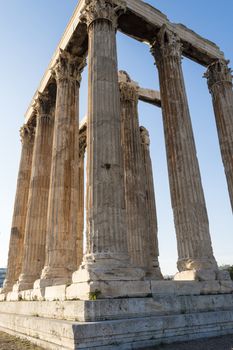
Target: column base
[
  {"x": 106, "y": 267},
  {"x": 7, "y": 286},
  {"x": 154, "y": 275},
  {"x": 53, "y": 276},
  {"x": 187, "y": 264},
  {"x": 202, "y": 275}
]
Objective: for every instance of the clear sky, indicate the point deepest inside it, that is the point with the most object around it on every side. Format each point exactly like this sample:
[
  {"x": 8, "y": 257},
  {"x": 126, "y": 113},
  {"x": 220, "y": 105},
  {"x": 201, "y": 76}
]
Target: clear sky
[{"x": 29, "y": 33}]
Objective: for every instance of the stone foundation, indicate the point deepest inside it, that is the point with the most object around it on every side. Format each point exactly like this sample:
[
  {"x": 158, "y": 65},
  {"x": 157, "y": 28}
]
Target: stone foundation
[{"x": 127, "y": 323}]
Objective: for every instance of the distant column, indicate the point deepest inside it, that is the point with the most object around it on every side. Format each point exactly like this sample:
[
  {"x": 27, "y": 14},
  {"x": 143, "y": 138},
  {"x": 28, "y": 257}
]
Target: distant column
[
  {"x": 36, "y": 222},
  {"x": 62, "y": 209},
  {"x": 188, "y": 202},
  {"x": 79, "y": 244},
  {"x": 15, "y": 254},
  {"x": 138, "y": 233},
  {"x": 151, "y": 214},
  {"x": 220, "y": 86}
]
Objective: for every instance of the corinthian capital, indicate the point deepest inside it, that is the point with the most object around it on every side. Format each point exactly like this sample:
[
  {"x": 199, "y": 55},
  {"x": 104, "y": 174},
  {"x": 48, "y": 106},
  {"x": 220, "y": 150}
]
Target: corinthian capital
[
  {"x": 108, "y": 10},
  {"x": 27, "y": 133},
  {"x": 68, "y": 67},
  {"x": 166, "y": 44},
  {"x": 145, "y": 137},
  {"x": 128, "y": 88},
  {"x": 218, "y": 73},
  {"x": 42, "y": 105}
]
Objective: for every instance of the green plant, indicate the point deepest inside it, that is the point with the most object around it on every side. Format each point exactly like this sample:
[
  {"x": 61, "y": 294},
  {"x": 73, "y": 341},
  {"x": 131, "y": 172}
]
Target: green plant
[{"x": 94, "y": 295}]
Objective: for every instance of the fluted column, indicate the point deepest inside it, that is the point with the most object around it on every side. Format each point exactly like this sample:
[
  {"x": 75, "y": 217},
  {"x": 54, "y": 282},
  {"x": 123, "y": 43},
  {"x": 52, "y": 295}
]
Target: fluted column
[
  {"x": 188, "y": 202},
  {"x": 151, "y": 214},
  {"x": 134, "y": 176},
  {"x": 106, "y": 216},
  {"x": 220, "y": 86},
  {"x": 63, "y": 193},
  {"x": 35, "y": 229},
  {"x": 15, "y": 253},
  {"x": 79, "y": 243}
]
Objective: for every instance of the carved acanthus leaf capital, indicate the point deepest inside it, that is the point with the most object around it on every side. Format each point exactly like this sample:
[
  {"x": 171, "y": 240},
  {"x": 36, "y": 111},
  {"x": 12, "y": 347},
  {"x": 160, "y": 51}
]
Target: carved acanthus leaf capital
[
  {"x": 102, "y": 9},
  {"x": 218, "y": 73},
  {"x": 166, "y": 44},
  {"x": 145, "y": 137},
  {"x": 128, "y": 88},
  {"x": 42, "y": 105},
  {"x": 27, "y": 133},
  {"x": 68, "y": 67},
  {"x": 82, "y": 143},
  {"x": 128, "y": 91}
]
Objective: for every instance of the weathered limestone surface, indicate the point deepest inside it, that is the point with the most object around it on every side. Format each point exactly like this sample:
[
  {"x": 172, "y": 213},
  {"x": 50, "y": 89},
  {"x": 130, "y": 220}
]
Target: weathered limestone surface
[
  {"x": 106, "y": 220},
  {"x": 63, "y": 194},
  {"x": 135, "y": 196},
  {"x": 112, "y": 335},
  {"x": 151, "y": 214},
  {"x": 188, "y": 202},
  {"x": 220, "y": 86},
  {"x": 140, "y": 239},
  {"x": 16, "y": 248},
  {"x": 79, "y": 242},
  {"x": 37, "y": 206}
]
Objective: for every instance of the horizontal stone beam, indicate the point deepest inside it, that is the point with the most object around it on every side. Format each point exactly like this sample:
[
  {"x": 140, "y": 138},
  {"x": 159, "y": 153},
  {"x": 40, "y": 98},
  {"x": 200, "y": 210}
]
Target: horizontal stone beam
[
  {"x": 141, "y": 21},
  {"x": 149, "y": 96}
]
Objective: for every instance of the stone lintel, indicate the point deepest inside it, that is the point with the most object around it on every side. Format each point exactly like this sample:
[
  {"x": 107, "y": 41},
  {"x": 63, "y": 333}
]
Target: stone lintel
[{"x": 141, "y": 21}]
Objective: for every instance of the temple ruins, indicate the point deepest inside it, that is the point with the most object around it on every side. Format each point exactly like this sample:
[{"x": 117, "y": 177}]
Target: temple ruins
[{"x": 111, "y": 294}]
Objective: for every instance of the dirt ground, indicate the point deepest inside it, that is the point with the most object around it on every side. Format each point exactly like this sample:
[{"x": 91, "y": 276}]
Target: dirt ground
[{"x": 8, "y": 342}]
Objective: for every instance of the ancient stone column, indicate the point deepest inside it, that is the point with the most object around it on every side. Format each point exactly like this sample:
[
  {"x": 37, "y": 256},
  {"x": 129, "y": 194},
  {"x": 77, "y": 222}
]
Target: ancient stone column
[
  {"x": 36, "y": 221},
  {"x": 139, "y": 243},
  {"x": 63, "y": 193},
  {"x": 15, "y": 254},
  {"x": 188, "y": 202},
  {"x": 106, "y": 219},
  {"x": 220, "y": 86},
  {"x": 79, "y": 243},
  {"x": 151, "y": 214}
]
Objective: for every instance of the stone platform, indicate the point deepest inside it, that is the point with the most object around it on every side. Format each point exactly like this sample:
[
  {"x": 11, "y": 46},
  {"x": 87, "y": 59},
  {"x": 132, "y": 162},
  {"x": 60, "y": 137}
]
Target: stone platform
[{"x": 125, "y": 323}]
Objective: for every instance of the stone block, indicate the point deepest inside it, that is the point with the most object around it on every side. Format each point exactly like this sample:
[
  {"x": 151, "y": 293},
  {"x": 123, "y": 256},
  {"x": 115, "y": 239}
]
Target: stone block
[
  {"x": 210, "y": 287},
  {"x": 163, "y": 287},
  {"x": 185, "y": 276},
  {"x": 55, "y": 293},
  {"x": 108, "y": 289},
  {"x": 38, "y": 294},
  {"x": 206, "y": 275},
  {"x": 223, "y": 275},
  {"x": 226, "y": 287},
  {"x": 2, "y": 297}
]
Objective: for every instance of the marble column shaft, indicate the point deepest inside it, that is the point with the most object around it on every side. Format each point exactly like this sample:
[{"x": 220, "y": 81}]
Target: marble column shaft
[
  {"x": 151, "y": 213},
  {"x": 106, "y": 219},
  {"x": 15, "y": 254},
  {"x": 36, "y": 222},
  {"x": 220, "y": 86},
  {"x": 134, "y": 175},
  {"x": 79, "y": 243},
  {"x": 188, "y": 202},
  {"x": 63, "y": 193}
]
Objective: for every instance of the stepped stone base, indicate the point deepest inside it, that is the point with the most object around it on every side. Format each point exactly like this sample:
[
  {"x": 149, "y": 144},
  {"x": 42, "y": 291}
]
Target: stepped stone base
[{"x": 126, "y": 323}]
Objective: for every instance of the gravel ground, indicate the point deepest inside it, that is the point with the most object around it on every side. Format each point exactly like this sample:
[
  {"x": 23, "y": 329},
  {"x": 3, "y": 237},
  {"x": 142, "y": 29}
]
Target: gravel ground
[{"x": 8, "y": 342}]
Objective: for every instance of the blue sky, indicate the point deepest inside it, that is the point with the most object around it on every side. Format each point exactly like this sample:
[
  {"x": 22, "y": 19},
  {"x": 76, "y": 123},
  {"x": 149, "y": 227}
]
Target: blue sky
[{"x": 29, "y": 33}]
